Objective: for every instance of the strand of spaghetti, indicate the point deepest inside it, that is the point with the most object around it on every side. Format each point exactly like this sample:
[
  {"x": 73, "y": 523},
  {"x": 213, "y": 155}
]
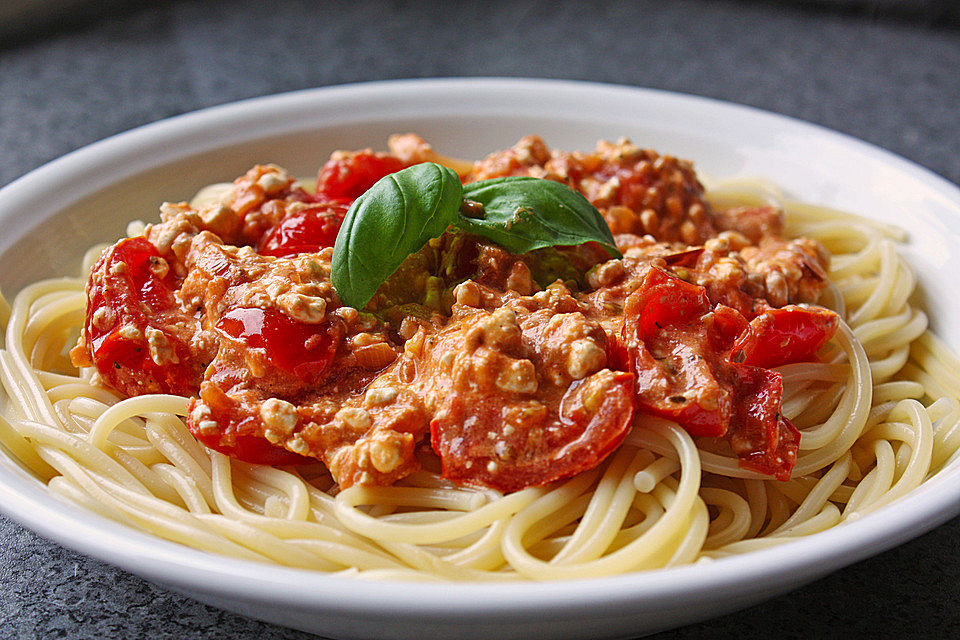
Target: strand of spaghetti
[
  {"x": 828, "y": 517},
  {"x": 65, "y": 487},
  {"x": 651, "y": 475},
  {"x": 25, "y": 390},
  {"x": 135, "y": 406},
  {"x": 292, "y": 487},
  {"x": 818, "y": 497},
  {"x": 891, "y": 332},
  {"x": 50, "y": 379},
  {"x": 633, "y": 556},
  {"x": 185, "y": 486},
  {"x": 945, "y": 413},
  {"x": 877, "y": 482},
  {"x": 146, "y": 512},
  {"x": 74, "y": 390},
  {"x": 797, "y": 488},
  {"x": 347, "y": 500},
  {"x": 651, "y": 511},
  {"x": 425, "y": 561},
  {"x": 266, "y": 544},
  {"x": 20, "y": 312},
  {"x": 846, "y": 423},
  {"x": 904, "y": 285},
  {"x": 606, "y": 511},
  {"x": 24, "y": 451},
  {"x": 610, "y": 521},
  {"x": 737, "y": 524},
  {"x": 691, "y": 543},
  {"x": 778, "y": 508},
  {"x": 854, "y": 265},
  {"x": 81, "y": 451},
  {"x": 720, "y": 518},
  {"x": 920, "y": 440},
  {"x": 55, "y": 318},
  {"x": 814, "y": 410},
  {"x": 943, "y": 355},
  {"x": 897, "y": 390},
  {"x": 878, "y": 300},
  {"x": 804, "y": 210},
  {"x": 856, "y": 291},
  {"x": 946, "y": 378},
  {"x": 148, "y": 478},
  {"x": 886, "y": 368},
  {"x": 813, "y": 371},
  {"x": 346, "y": 555},
  {"x": 757, "y": 499},
  {"x": 831, "y": 298},
  {"x": 180, "y": 458},
  {"x": 484, "y": 554},
  {"x": 564, "y": 505},
  {"x": 745, "y": 191}
]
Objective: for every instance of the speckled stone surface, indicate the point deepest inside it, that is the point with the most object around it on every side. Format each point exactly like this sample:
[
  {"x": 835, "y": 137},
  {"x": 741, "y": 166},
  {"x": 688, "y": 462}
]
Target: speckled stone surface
[{"x": 895, "y": 83}]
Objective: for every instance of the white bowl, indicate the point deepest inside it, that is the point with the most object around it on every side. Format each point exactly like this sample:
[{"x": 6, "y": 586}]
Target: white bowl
[{"x": 48, "y": 218}]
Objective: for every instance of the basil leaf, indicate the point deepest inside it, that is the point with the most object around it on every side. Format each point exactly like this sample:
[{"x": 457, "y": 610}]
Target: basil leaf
[
  {"x": 396, "y": 217},
  {"x": 522, "y": 213}
]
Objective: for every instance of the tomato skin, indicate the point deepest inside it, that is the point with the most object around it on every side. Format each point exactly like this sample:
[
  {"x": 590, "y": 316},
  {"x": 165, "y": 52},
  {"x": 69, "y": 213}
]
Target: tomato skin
[
  {"x": 786, "y": 335},
  {"x": 349, "y": 176},
  {"x": 306, "y": 231},
  {"x": 305, "y": 350},
  {"x": 578, "y": 438},
  {"x": 668, "y": 310},
  {"x": 254, "y": 449},
  {"x": 665, "y": 300},
  {"x": 711, "y": 373},
  {"x": 129, "y": 285}
]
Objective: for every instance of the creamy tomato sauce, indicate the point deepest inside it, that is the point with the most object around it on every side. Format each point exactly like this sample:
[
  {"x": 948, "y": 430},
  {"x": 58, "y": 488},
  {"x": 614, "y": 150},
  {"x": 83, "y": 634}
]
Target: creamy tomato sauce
[{"x": 516, "y": 370}]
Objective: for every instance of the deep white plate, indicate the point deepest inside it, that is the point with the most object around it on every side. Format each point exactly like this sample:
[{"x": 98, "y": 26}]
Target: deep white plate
[{"x": 50, "y": 216}]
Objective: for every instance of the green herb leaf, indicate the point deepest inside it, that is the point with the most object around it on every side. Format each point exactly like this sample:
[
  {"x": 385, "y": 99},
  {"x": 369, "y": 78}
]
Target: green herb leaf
[
  {"x": 396, "y": 217},
  {"x": 524, "y": 213},
  {"x": 403, "y": 211}
]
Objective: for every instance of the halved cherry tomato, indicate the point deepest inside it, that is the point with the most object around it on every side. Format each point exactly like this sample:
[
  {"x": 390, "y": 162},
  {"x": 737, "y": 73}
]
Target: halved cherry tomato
[
  {"x": 787, "y": 335},
  {"x": 306, "y": 231},
  {"x": 254, "y": 449},
  {"x": 666, "y": 340},
  {"x": 305, "y": 350},
  {"x": 709, "y": 372},
  {"x": 664, "y": 300},
  {"x": 549, "y": 443},
  {"x": 131, "y": 292},
  {"x": 349, "y": 176}
]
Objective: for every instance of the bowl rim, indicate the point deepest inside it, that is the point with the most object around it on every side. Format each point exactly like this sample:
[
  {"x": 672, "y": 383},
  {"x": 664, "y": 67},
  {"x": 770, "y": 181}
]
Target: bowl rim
[{"x": 97, "y": 165}]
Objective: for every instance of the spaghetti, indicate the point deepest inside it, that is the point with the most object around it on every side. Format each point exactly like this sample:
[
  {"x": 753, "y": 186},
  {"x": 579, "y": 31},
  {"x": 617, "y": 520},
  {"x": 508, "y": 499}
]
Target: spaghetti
[{"x": 879, "y": 415}]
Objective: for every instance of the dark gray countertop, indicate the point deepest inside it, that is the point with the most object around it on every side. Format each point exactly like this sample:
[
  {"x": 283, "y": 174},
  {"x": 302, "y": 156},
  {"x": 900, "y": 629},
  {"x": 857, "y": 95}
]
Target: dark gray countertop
[{"x": 891, "y": 80}]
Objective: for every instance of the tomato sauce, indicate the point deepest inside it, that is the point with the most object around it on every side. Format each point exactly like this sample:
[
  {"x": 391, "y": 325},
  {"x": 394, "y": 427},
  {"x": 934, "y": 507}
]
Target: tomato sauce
[{"x": 511, "y": 381}]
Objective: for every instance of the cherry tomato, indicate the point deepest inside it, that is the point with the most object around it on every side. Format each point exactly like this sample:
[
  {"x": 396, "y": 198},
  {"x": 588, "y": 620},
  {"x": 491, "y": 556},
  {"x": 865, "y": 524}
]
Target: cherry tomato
[
  {"x": 665, "y": 300},
  {"x": 305, "y": 350},
  {"x": 254, "y": 449},
  {"x": 665, "y": 341},
  {"x": 549, "y": 444},
  {"x": 709, "y": 372},
  {"x": 306, "y": 231},
  {"x": 349, "y": 176},
  {"x": 763, "y": 439},
  {"x": 784, "y": 336},
  {"x": 130, "y": 294}
]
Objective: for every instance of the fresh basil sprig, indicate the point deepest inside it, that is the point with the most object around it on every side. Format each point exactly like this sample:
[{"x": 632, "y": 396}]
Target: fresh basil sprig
[
  {"x": 391, "y": 220},
  {"x": 403, "y": 211},
  {"x": 523, "y": 213}
]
